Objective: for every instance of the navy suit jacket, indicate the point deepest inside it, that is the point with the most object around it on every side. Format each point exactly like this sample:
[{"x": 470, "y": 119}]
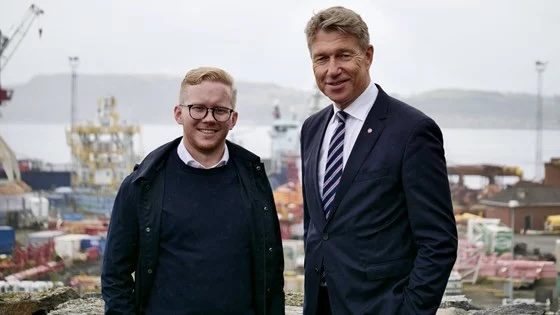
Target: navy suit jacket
[{"x": 391, "y": 241}]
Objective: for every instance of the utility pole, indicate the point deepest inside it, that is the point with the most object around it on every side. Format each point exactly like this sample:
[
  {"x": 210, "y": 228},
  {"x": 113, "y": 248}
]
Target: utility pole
[
  {"x": 74, "y": 61},
  {"x": 540, "y": 67},
  {"x": 512, "y": 205}
]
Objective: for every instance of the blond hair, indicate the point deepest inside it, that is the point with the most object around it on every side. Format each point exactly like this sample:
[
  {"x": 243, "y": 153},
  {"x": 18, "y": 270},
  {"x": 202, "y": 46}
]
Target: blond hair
[
  {"x": 198, "y": 75},
  {"x": 338, "y": 19}
]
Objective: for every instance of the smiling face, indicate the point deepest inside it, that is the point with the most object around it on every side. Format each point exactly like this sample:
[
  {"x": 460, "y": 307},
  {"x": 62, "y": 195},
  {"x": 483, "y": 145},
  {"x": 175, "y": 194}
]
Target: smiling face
[
  {"x": 205, "y": 138},
  {"x": 341, "y": 66}
]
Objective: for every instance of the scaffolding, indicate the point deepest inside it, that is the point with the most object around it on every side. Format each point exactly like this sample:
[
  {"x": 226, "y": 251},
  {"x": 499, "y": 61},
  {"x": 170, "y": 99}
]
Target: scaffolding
[{"x": 102, "y": 152}]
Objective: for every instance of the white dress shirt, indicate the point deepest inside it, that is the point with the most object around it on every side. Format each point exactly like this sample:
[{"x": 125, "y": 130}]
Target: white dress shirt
[
  {"x": 187, "y": 158},
  {"x": 357, "y": 113}
]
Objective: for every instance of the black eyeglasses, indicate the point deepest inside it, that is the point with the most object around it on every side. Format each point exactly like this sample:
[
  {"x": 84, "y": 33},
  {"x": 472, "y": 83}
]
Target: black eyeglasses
[{"x": 199, "y": 112}]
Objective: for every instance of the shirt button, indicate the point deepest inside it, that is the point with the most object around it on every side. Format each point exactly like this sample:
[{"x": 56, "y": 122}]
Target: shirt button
[
  {"x": 148, "y": 230},
  {"x": 270, "y": 249},
  {"x": 325, "y": 236},
  {"x": 147, "y": 186},
  {"x": 265, "y": 208},
  {"x": 149, "y": 270}
]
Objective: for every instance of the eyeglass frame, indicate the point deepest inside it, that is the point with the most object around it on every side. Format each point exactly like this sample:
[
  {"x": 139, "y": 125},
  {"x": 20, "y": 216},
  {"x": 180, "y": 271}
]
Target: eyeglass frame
[{"x": 189, "y": 106}]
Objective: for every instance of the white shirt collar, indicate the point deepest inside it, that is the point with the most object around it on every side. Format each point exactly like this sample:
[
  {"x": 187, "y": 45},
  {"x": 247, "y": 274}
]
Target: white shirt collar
[
  {"x": 187, "y": 158},
  {"x": 361, "y": 106}
]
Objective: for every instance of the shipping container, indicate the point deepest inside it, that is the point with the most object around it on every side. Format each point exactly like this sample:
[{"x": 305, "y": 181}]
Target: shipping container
[
  {"x": 91, "y": 241},
  {"x": 293, "y": 255},
  {"x": 498, "y": 239},
  {"x": 7, "y": 239},
  {"x": 72, "y": 216},
  {"x": 68, "y": 246},
  {"x": 43, "y": 237}
]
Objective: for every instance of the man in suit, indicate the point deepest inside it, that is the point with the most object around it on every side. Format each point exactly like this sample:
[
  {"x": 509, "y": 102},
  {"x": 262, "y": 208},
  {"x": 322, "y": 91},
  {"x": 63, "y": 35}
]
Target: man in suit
[{"x": 379, "y": 231}]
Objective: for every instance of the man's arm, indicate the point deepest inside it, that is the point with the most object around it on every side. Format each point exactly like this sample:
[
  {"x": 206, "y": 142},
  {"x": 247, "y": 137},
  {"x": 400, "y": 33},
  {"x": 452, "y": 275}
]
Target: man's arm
[
  {"x": 430, "y": 212},
  {"x": 305, "y": 210},
  {"x": 121, "y": 254}
]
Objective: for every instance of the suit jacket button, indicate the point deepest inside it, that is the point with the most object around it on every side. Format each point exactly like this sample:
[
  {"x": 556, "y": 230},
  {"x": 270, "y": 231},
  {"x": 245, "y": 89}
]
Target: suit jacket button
[
  {"x": 317, "y": 269},
  {"x": 150, "y": 271},
  {"x": 325, "y": 236}
]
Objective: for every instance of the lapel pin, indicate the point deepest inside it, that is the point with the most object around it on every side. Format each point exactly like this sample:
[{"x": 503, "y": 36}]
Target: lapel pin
[{"x": 369, "y": 130}]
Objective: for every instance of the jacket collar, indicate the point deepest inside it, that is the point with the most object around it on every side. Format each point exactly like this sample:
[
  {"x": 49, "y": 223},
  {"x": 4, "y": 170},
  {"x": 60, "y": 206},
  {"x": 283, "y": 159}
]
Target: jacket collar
[{"x": 154, "y": 161}]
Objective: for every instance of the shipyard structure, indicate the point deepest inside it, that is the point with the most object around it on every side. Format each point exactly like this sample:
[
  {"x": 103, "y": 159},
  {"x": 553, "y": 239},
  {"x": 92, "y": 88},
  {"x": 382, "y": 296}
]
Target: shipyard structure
[
  {"x": 54, "y": 218},
  {"x": 103, "y": 154}
]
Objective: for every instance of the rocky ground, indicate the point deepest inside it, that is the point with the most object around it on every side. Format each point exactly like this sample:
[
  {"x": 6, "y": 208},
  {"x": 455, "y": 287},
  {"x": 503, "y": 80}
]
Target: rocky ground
[{"x": 66, "y": 301}]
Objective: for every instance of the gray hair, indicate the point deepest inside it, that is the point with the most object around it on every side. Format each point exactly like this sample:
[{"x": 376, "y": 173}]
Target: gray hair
[{"x": 338, "y": 19}]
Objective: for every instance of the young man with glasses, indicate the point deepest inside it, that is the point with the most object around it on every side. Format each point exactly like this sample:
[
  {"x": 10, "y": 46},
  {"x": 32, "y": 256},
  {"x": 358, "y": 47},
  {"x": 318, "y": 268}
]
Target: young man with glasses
[{"x": 196, "y": 220}]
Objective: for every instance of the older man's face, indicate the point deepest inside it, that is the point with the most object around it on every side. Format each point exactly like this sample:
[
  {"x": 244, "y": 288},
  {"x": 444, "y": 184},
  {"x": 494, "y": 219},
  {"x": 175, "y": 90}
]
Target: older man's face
[{"x": 341, "y": 66}]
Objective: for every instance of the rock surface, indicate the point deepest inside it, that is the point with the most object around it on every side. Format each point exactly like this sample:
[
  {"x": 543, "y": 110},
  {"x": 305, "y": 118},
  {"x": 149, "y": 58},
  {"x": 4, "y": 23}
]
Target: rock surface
[
  {"x": 66, "y": 301},
  {"x": 458, "y": 303},
  {"x": 36, "y": 302},
  {"x": 519, "y": 309},
  {"x": 294, "y": 298},
  {"x": 86, "y": 306}
]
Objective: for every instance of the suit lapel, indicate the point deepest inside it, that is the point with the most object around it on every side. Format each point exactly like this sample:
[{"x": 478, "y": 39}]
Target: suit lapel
[
  {"x": 314, "y": 174},
  {"x": 367, "y": 138}
]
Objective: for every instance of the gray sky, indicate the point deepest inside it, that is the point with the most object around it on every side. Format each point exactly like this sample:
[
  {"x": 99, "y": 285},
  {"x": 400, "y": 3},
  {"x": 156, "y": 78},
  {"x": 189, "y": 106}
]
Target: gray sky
[{"x": 419, "y": 45}]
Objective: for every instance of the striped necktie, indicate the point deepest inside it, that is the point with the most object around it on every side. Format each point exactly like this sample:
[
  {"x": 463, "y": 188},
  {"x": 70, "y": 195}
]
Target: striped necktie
[{"x": 333, "y": 170}]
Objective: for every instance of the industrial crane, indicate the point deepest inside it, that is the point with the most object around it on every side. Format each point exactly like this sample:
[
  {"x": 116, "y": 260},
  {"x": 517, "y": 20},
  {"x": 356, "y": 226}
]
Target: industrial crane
[{"x": 8, "y": 45}]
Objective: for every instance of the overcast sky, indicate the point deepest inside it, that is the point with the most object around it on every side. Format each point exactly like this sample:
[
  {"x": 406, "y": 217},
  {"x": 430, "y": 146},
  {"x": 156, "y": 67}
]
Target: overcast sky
[{"x": 419, "y": 45}]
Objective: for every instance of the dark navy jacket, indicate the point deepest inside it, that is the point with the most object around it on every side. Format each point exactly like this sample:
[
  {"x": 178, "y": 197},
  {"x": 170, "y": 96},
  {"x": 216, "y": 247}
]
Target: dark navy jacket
[
  {"x": 391, "y": 242},
  {"x": 133, "y": 237}
]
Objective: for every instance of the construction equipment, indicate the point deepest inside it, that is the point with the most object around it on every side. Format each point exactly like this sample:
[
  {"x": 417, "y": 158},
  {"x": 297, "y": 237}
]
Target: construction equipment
[
  {"x": 8, "y": 45},
  {"x": 7, "y": 49},
  {"x": 552, "y": 223},
  {"x": 104, "y": 150}
]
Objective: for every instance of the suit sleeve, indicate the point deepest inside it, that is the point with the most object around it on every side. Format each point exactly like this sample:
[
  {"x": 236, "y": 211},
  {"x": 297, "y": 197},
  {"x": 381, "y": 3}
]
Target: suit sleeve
[
  {"x": 305, "y": 209},
  {"x": 121, "y": 254},
  {"x": 430, "y": 213}
]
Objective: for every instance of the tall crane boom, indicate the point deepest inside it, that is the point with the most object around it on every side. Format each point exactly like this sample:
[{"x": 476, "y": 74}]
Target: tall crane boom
[
  {"x": 32, "y": 13},
  {"x": 7, "y": 157},
  {"x": 8, "y": 45}
]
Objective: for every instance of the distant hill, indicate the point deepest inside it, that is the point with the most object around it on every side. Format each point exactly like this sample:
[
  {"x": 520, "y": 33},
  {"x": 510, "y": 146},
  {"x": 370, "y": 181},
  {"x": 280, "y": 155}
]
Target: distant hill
[
  {"x": 149, "y": 99},
  {"x": 486, "y": 109}
]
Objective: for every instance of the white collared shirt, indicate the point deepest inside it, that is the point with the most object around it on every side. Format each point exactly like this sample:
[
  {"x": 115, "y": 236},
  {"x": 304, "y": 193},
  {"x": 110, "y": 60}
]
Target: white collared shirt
[
  {"x": 187, "y": 158},
  {"x": 357, "y": 113}
]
